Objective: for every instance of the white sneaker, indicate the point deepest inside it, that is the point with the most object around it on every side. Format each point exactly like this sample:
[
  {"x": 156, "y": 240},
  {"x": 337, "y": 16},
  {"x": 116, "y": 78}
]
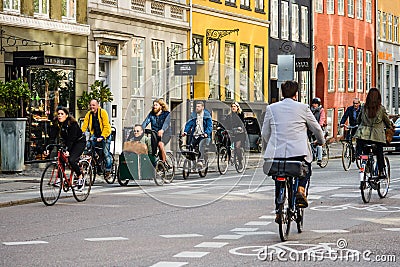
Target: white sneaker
[
  {"x": 80, "y": 184},
  {"x": 199, "y": 164}
]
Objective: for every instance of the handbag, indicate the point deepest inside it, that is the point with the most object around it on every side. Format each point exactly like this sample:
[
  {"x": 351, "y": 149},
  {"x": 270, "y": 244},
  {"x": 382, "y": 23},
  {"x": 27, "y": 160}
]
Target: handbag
[
  {"x": 389, "y": 132},
  {"x": 135, "y": 147},
  {"x": 285, "y": 168}
]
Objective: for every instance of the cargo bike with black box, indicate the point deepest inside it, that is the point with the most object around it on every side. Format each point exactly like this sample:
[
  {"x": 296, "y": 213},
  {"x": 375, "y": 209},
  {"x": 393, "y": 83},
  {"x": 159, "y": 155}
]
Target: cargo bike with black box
[{"x": 133, "y": 166}]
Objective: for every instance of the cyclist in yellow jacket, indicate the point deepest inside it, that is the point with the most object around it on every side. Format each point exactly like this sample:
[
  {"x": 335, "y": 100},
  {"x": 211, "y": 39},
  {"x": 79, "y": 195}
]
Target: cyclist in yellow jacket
[{"x": 97, "y": 122}]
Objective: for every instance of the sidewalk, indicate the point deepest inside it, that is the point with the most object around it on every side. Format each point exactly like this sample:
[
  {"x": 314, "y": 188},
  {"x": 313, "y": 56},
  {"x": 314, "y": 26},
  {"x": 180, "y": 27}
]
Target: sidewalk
[{"x": 23, "y": 188}]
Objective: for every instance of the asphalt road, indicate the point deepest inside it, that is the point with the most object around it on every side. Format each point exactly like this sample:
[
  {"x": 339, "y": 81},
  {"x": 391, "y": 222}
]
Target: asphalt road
[{"x": 213, "y": 221}]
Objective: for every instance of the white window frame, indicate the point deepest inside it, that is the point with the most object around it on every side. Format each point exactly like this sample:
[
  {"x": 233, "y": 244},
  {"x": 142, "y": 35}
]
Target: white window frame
[
  {"x": 230, "y": 73},
  {"x": 68, "y": 11},
  {"x": 284, "y": 20},
  {"x": 274, "y": 19},
  {"x": 273, "y": 71},
  {"x": 40, "y": 12},
  {"x": 340, "y": 9},
  {"x": 379, "y": 25},
  {"x": 304, "y": 25},
  {"x": 175, "y": 82},
  {"x": 360, "y": 71},
  {"x": 214, "y": 69},
  {"x": 259, "y": 73},
  {"x": 259, "y": 4},
  {"x": 330, "y": 7},
  {"x": 304, "y": 87},
  {"x": 368, "y": 11},
  {"x": 137, "y": 111},
  {"x": 390, "y": 28},
  {"x": 244, "y": 59},
  {"x": 384, "y": 26},
  {"x": 360, "y": 9},
  {"x": 350, "y": 69},
  {"x": 295, "y": 22},
  {"x": 330, "y": 120},
  {"x": 12, "y": 5},
  {"x": 319, "y": 6},
  {"x": 331, "y": 68},
  {"x": 341, "y": 68},
  {"x": 396, "y": 30},
  {"x": 339, "y": 118},
  {"x": 245, "y": 3},
  {"x": 157, "y": 60},
  {"x": 138, "y": 68},
  {"x": 368, "y": 70},
  {"x": 350, "y": 8}
]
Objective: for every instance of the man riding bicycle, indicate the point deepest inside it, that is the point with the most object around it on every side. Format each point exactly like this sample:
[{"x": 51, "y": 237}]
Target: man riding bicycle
[
  {"x": 351, "y": 113},
  {"x": 96, "y": 121},
  {"x": 285, "y": 133}
]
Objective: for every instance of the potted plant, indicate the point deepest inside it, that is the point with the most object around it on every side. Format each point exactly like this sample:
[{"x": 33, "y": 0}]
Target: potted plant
[
  {"x": 13, "y": 95},
  {"x": 99, "y": 91}
]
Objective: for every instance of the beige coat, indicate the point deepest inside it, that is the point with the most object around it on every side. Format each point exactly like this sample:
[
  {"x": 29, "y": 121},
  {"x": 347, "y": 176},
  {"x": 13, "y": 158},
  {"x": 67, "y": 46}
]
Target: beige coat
[{"x": 372, "y": 129}]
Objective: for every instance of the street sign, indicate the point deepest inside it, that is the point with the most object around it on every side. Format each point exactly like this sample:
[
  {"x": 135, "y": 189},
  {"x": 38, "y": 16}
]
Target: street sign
[
  {"x": 185, "y": 67},
  {"x": 303, "y": 64},
  {"x": 28, "y": 58}
]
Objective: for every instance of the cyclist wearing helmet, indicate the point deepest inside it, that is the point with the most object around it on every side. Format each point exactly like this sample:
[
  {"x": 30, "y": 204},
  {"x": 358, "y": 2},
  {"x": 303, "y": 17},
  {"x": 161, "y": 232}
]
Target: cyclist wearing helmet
[{"x": 319, "y": 114}]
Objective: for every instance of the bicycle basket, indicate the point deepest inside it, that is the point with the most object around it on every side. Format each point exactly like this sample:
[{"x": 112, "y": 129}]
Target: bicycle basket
[{"x": 285, "y": 168}]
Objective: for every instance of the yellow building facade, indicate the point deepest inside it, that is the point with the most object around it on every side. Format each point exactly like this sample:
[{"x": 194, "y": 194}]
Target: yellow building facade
[{"x": 229, "y": 40}]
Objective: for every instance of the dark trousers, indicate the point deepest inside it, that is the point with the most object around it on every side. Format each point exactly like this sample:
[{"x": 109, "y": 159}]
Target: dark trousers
[
  {"x": 74, "y": 153},
  {"x": 378, "y": 151}
]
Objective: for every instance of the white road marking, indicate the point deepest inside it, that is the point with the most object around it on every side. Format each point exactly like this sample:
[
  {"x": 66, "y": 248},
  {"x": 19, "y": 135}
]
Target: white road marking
[
  {"x": 24, "y": 243},
  {"x": 267, "y": 217},
  {"x": 188, "y": 192},
  {"x": 169, "y": 264},
  {"x": 257, "y": 223},
  {"x": 346, "y": 195},
  {"x": 99, "y": 239},
  {"x": 181, "y": 235},
  {"x": 228, "y": 237},
  {"x": 257, "y": 233},
  {"x": 330, "y": 231},
  {"x": 190, "y": 254},
  {"x": 211, "y": 245},
  {"x": 244, "y": 229},
  {"x": 318, "y": 189},
  {"x": 392, "y": 229},
  {"x": 314, "y": 197},
  {"x": 395, "y": 196}
]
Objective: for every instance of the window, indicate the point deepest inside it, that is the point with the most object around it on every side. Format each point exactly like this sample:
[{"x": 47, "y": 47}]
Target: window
[
  {"x": 230, "y": 2},
  {"x": 350, "y": 70},
  {"x": 304, "y": 24},
  {"x": 339, "y": 117},
  {"x": 319, "y": 6},
  {"x": 69, "y": 9},
  {"x": 390, "y": 27},
  {"x": 368, "y": 70},
  {"x": 350, "y": 8},
  {"x": 331, "y": 68},
  {"x": 258, "y": 73},
  {"x": 41, "y": 7},
  {"x": 259, "y": 5},
  {"x": 396, "y": 30},
  {"x": 157, "y": 58},
  {"x": 11, "y": 5},
  {"x": 341, "y": 70},
  {"x": 295, "y": 22},
  {"x": 330, "y": 6},
  {"x": 245, "y": 4},
  {"x": 368, "y": 11},
  {"x": 330, "y": 121},
  {"x": 137, "y": 69},
  {"x": 175, "y": 82},
  {"x": 229, "y": 70},
  {"x": 305, "y": 84},
  {"x": 360, "y": 73},
  {"x": 388, "y": 88},
  {"x": 384, "y": 29},
  {"x": 197, "y": 51},
  {"x": 378, "y": 25},
  {"x": 285, "y": 20},
  {"x": 360, "y": 9},
  {"x": 273, "y": 71},
  {"x": 136, "y": 111},
  {"x": 274, "y": 18},
  {"x": 340, "y": 10},
  {"x": 244, "y": 72},
  {"x": 213, "y": 69}
]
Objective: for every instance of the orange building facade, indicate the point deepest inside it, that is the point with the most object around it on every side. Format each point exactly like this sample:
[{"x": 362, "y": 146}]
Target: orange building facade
[{"x": 344, "y": 55}]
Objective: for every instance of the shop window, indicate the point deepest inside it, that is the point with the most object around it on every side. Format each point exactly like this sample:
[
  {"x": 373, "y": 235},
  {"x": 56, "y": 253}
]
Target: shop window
[
  {"x": 229, "y": 71},
  {"x": 213, "y": 69},
  {"x": 258, "y": 74},
  {"x": 244, "y": 72}
]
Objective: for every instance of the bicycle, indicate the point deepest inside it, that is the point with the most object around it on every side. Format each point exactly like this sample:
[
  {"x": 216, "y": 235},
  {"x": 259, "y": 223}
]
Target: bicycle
[
  {"x": 325, "y": 154},
  {"x": 286, "y": 173},
  {"x": 349, "y": 154},
  {"x": 369, "y": 178},
  {"x": 225, "y": 150},
  {"x": 54, "y": 179},
  {"x": 192, "y": 158}
]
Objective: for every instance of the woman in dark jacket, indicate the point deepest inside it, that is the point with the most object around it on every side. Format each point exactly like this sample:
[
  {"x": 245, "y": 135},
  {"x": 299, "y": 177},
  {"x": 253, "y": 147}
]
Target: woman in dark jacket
[
  {"x": 234, "y": 122},
  {"x": 66, "y": 127}
]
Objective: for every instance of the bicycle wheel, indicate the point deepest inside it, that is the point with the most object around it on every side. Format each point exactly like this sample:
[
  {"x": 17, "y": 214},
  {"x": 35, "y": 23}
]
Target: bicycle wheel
[
  {"x": 284, "y": 210},
  {"x": 203, "y": 171},
  {"x": 325, "y": 156},
  {"x": 82, "y": 193},
  {"x": 110, "y": 179},
  {"x": 365, "y": 187},
  {"x": 187, "y": 166},
  {"x": 240, "y": 165},
  {"x": 170, "y": 168},
  {"x": 121, "y": 180},
  {"x": 160, "y": 173},
  {"x": 383, "y": 184},
  {"x": 51, "y": 184},
  {"x": 222, "y": 160},
  {"x": 299, "y": 219},
  {"x": 347, "y": 155}
]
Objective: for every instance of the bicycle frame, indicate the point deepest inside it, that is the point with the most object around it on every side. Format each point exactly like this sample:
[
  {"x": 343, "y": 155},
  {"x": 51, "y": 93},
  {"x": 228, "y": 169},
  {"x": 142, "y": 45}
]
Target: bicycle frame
[{"x": 62, "y": 161}]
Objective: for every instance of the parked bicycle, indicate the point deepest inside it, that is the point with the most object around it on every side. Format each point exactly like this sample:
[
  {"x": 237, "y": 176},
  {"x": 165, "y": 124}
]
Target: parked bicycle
[
  {"x": 286, "y": 173},
  {"x": 369, "y": 178},
  {"x": 54, "y": 178},
  {"x": 227, "y": 154},
  {"x": 349, "y": 154}
]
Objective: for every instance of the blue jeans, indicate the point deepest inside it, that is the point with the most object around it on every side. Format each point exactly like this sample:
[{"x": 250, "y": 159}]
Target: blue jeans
[{"x": 106, "y": 143}]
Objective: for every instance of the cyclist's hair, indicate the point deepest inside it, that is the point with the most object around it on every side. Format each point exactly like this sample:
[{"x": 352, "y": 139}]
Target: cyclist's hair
[
  {"x": 138, "y": 125},
  {"x": 162, "y": 103},
  {"x": 373, "y": 102},
  {"x": 289, "y": 89},
  {"x": 69, "y": 119},
  {"x": 200, "y": 102}
]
